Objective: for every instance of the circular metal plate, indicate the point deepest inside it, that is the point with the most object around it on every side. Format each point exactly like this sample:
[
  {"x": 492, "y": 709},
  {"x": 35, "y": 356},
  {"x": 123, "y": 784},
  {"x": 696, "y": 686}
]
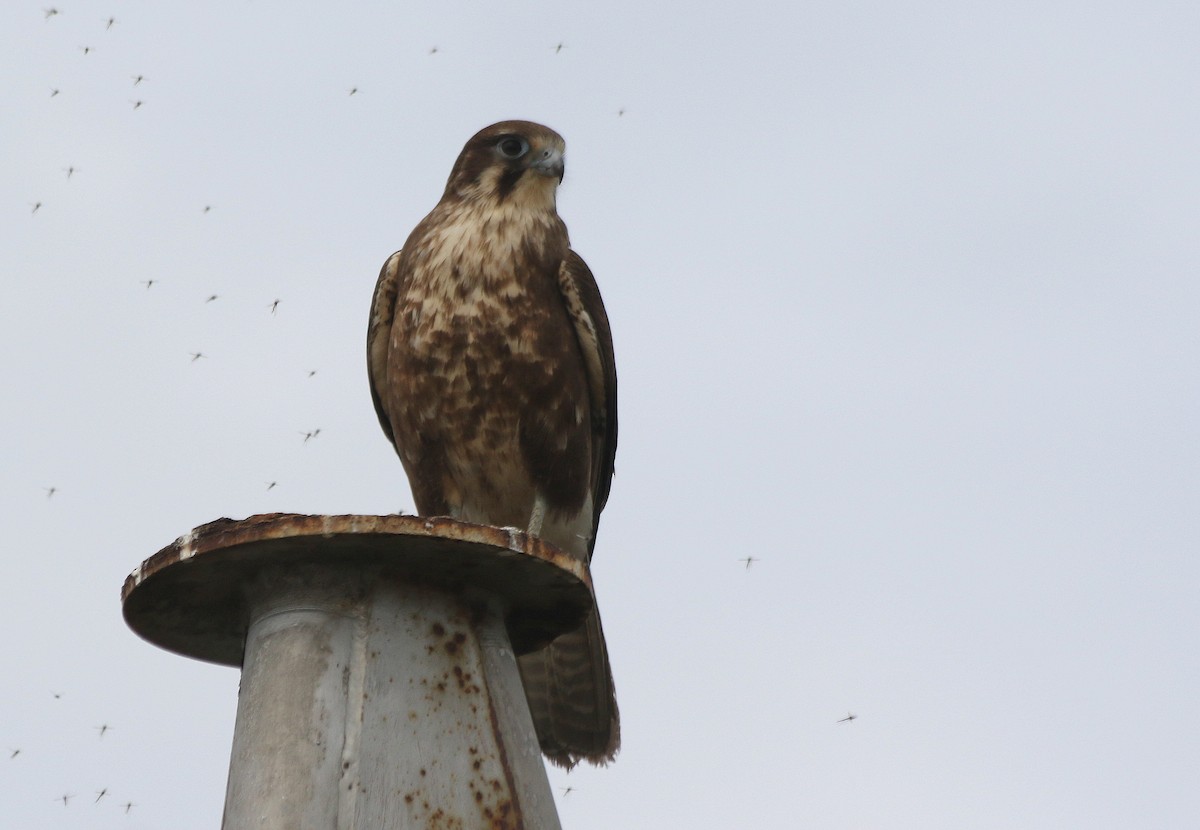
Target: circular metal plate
[{"x": 191, "y": 596}]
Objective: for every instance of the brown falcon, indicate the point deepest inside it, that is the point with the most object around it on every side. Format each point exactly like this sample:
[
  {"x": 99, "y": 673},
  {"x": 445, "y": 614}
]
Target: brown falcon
[{"x": 491, "y": 366}]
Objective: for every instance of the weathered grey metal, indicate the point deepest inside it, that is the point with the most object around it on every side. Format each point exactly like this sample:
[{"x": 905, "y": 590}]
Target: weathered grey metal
[{"x": 379, "y": 679}]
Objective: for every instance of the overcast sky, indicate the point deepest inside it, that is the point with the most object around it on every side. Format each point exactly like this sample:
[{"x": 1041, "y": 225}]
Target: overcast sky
[{"x": 905, "y": 307}]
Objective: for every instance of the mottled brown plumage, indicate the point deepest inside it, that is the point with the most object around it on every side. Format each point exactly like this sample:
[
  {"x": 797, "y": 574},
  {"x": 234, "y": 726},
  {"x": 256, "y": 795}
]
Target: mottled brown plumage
[{"x": 492, "y": 371}]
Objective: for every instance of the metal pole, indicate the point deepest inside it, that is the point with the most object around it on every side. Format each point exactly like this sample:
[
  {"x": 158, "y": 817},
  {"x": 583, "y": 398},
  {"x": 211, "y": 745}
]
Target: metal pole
[{"x": 379, "y": 681}]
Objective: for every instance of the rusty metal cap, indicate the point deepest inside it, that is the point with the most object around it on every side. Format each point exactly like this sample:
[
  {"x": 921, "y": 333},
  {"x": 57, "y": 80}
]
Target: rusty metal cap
[{"x": 191, "y": 597}]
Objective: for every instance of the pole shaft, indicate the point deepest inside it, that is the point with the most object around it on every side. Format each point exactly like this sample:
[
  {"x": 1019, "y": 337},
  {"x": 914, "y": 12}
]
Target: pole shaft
[{"x": 371, "y": 702}]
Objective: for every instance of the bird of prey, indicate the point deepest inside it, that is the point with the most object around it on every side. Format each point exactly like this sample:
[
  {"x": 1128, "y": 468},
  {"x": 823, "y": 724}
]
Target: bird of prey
[{"x": 491, "y": 368}]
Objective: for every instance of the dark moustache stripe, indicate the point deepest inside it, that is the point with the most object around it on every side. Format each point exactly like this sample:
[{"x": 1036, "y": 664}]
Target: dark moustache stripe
[{"x": 508, "y": 181}]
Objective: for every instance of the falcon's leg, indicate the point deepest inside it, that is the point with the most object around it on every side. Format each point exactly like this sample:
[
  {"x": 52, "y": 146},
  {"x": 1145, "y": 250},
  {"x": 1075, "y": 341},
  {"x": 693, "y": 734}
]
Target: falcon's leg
[{"x": 538, "y": 516}]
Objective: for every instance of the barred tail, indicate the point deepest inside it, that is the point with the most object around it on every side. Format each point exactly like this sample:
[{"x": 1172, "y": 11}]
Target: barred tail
[{"x": 571, "y": 697}]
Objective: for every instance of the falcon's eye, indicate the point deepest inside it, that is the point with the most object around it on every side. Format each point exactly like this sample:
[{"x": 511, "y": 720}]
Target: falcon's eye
[{"x": 513, "y": 147}]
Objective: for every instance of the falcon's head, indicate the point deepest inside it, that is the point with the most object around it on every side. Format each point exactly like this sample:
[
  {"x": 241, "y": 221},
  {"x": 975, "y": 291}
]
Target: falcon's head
[{"x": 518, "y": 162}]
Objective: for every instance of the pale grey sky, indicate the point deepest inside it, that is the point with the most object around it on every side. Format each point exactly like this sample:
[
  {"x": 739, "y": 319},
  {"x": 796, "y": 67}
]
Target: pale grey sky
[{"x": 905, "y": 306}]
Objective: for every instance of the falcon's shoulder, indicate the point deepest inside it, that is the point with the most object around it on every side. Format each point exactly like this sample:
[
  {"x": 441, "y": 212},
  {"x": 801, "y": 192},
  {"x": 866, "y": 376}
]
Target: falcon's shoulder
[
  {"x": 586, "y": 311},
  {"x": 383, "y": 308}
]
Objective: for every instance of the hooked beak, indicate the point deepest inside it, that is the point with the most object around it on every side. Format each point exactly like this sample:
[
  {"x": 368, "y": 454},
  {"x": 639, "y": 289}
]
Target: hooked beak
[{"x": 548, "y": 162}]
